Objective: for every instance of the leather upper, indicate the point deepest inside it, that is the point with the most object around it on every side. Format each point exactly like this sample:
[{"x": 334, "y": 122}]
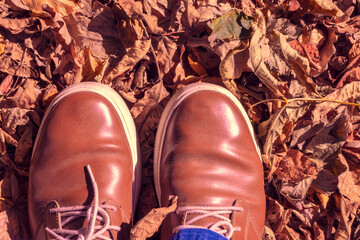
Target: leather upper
[
  {"x": 82, "y": 128},
  {"x": 209, "y": 159}
]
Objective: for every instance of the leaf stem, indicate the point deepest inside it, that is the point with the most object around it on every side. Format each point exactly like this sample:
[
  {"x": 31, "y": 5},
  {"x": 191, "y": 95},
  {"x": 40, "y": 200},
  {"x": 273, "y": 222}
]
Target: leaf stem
[
  {"x": 286, "y": 101},
  {"x": 267, "y": 100},
  {"x": 323, "y": 100}
]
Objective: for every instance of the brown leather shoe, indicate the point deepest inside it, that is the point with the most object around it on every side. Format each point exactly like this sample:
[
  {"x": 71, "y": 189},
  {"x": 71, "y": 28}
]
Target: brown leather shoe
[
  {"x": 206, "y": 154},
  {"x": 84, "y": 173}
]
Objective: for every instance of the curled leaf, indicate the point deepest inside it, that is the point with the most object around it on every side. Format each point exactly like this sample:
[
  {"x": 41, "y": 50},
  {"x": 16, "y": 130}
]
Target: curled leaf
[
  {"x": 6, "y": 138},
  {"x": 16, "y": 61},
  {"x": 290, "y": 54},
  {"x": 24, "y": 145},
  {"x": 92, "y": 67},
  {"x": 225, "y": 69},
  {"x": 256, "y": 61},
  {"x": 324, "y": 199},
  {"x": 149, "y": 224},
  {"x": 132, "y": 57},
  {"x": 321, "y": 8},
  {"x": 288, "y": 113},
  {"x": 64, "y": 7},
  {"x": 197, "y": 67},
  {"x": 299, "y": 64},
  {"x": 326, "y": 52}
]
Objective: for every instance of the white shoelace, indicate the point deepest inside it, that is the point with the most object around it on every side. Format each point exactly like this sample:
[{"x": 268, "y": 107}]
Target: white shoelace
[
  {"x": 93, "y": 213},
  {"x": 223, "y": 226}
]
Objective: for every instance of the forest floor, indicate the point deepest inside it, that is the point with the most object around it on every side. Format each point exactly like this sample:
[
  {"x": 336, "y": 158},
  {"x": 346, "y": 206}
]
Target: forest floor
[{"x": 294, "y": 64}]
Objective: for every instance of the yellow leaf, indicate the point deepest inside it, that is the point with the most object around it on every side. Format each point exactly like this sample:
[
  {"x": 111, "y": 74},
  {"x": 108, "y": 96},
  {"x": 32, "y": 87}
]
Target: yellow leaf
[
  {"x": 197, "y": 67},
  {"x": 92, "y": 66},
  {"x": 49, "y": 94},
  {"x": 324, "y": 199},
  {"x": 2, "y": 44},
  {"x": 64, "y": 7}
]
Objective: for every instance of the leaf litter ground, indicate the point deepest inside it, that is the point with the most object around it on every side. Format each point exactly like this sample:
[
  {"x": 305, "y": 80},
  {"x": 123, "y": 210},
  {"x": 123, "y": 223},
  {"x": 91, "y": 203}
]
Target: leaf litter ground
[{"x": 294, "y": 65}]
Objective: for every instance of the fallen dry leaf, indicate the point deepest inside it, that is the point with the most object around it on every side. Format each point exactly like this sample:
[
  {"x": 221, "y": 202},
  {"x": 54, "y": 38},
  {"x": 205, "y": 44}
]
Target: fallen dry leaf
[
  {"x": 320, "y": 7},
  {"x": 49, "y": 94},
  {"x": 147, "y": 50},
  {"x": 24, "y": 145},
  {"x": 92, "y": 67},
  {"x": 288, "y": 113},
  {"x": 2, "y": 44},
  {"x": 197, "y": 67},
  {"x": 132, "y": 57},
  {"x": 348, "y": 93},
  {"x": 326, "y": 52},
  {"x": 300, "y": 65},
  {"x": 5, "y": 86},
  {"x": 64, "y": 7},
  {"x": 354, "y": 51},
  {"x": 226, "y": 69},
  {"x": 168, "y": 56},
  {"x": 13, "y": 117},
  {"x": 315, "y": 36},
  {"x": 16, "y": 61},
  {"x": 151, "y": 99},
  {"x": 26, "y": 95},
  {"x": 256, "y": 61},
  {"x": 295, "y": 167},
  {"x": 324, "y": 199},
  {"x": 5, "y": 138},
  {"x": 296, "y": 191},
  {"x": 347, "y": 25},
  {"x": 232, "y": 25},
  {"x": 148, "y": 225}
]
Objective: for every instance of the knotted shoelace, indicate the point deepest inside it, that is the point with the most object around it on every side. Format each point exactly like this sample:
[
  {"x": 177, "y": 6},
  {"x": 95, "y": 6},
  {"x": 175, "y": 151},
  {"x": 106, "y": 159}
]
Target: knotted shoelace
[
  {"x": 93, "y": 213},
  {"x": 223, "y": 226}
]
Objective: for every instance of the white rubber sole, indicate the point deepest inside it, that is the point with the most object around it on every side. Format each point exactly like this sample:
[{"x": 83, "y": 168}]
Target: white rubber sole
[
  {"x": 170, "y": 108},
  {"x": 125, "y": 116}
]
